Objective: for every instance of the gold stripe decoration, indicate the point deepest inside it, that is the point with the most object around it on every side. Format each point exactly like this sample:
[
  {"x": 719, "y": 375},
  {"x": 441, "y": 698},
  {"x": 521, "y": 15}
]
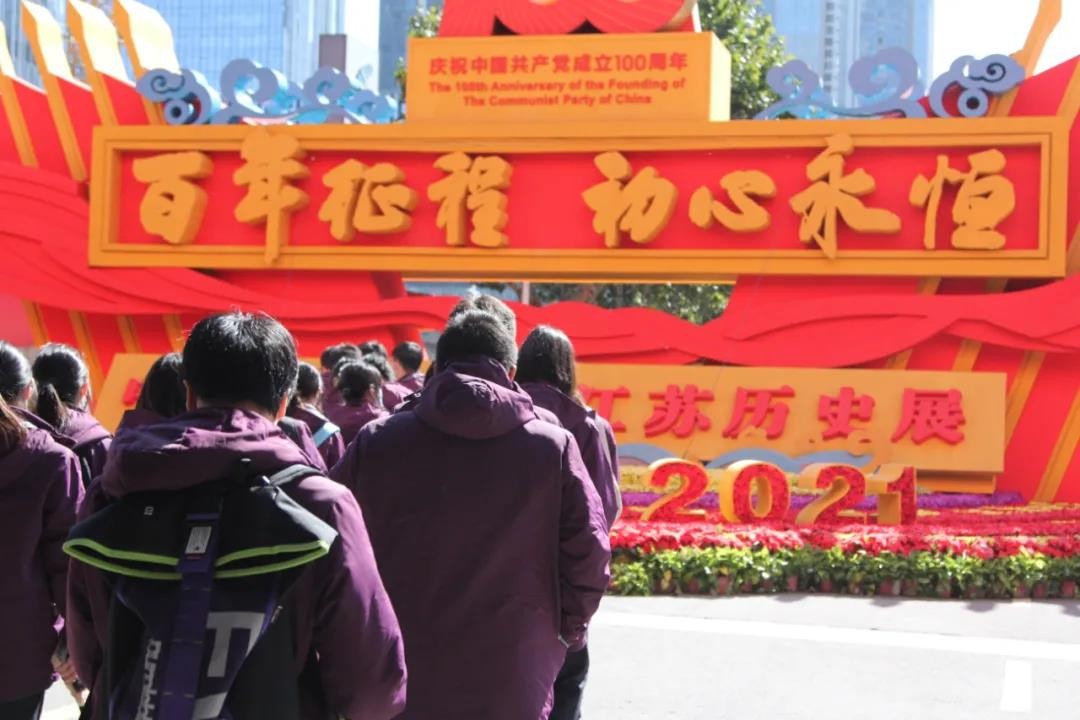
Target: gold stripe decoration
[
  {"x": 46, "y": 39},
  {"x": 1062, "y": 454}
]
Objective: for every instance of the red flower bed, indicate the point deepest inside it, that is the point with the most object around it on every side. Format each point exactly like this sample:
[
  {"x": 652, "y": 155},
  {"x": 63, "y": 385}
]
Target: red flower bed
[{"x": 986, "y": 532}]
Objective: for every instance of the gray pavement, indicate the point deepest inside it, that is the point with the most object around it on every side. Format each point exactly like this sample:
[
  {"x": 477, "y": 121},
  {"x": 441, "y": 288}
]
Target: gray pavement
[{"x": 792, "y": 657}]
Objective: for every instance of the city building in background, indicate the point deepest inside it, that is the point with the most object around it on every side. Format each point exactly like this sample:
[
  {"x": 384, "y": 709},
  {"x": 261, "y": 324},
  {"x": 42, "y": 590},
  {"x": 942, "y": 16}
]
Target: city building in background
[
  {"x": 21, "y": 54},
  {"x": 381, "y": 28},
  {"x": 280, "y": 34},
  {"x": 830, "y": 35},
  {"x": 305, "y": 22}
]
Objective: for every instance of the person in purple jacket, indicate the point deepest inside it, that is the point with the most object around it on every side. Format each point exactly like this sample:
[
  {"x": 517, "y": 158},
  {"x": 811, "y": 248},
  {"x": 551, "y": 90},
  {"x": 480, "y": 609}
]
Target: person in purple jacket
[
  {"x": 406, "y": 361},
  {"x": 546, "y": 370},
  {"x": 488, "y": 532},
  {"x": 162, "y": 395},
  {"x": 360, "y": 387},
  {"x": 300, "y": 433},
  {"x": 329, "y": 360},
  {"x": 63, "y": 401},
  {"x": 304, "y": 406},
  {"x": 346, "y": 649},
  {"x": 39, "y": 481},
  {"x": 392, "y": 394},
  {"x": 501, "y": 312}
]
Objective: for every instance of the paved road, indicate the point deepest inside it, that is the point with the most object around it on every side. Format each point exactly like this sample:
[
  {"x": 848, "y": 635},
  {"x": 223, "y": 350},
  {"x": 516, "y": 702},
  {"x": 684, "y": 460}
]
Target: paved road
[{"x": 811, "y": 658}]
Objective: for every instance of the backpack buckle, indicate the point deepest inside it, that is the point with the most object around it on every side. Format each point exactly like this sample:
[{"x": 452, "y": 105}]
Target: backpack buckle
[{"x": 200, "y": 549}]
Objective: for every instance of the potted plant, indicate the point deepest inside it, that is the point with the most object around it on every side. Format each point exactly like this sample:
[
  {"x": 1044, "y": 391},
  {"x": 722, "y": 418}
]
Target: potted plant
[
  {"x": 664, "y": 570},
  {"x": 1068, "y": 570}
]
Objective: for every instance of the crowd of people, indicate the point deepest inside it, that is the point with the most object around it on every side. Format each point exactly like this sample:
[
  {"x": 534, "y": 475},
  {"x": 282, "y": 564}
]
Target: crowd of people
[{"x": 267, "y": 539}]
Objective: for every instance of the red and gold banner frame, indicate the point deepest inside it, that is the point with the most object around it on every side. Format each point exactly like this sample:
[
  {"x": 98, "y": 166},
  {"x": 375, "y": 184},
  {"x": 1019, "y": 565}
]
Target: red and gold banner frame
[{"x": 1043, "y": 230}]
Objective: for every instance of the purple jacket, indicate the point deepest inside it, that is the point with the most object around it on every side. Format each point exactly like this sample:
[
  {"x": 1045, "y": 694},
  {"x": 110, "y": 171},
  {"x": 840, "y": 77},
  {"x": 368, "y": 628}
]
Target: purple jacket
[
  {"x": 490, "y": 538},
  {"x": 41, "y": 489},
  {"x": 333, "y": 448},
  {"x": 595, "y": 439},
  {"x": 300, "y": 433},
  {"x": 29, "y": 417},
  {"x": 137, "y": 418},
  {"x": 352, "y": 418},
  {"x": 393, "y": 394},
  {"x": 331, "y": 396},
  {"x": 339, "y": 609},
  {"x": 412, "y": 383},
  {"x": 92, "y": 440}
]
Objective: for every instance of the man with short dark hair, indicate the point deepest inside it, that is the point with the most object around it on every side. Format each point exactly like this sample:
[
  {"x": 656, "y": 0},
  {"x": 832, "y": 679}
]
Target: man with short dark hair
[
  {"x": 475, "y": 300},
  {"x": 372, "y": 347},
  {"x": 406, "y": 361},
  {"x": 489, "y": 535},
  {"x": 334, "y": 630}
]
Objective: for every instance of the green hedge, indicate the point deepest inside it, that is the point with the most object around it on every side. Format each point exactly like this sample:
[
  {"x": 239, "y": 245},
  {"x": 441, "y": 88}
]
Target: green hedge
[{"x": 728, "y": 571}]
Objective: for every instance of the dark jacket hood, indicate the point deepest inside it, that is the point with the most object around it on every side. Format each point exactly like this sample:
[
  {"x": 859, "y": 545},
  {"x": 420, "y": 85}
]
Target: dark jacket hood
[
  {"x": 15, "y": 461},
  {"x": 138, "y": 417},
  {"x": 84, "y": 428},
  {"x": 33, "y": 420},
  {"x": 570, "y": 412},
  {"x": 474, "y": 399},
  {"x": 201, "y": 445}
]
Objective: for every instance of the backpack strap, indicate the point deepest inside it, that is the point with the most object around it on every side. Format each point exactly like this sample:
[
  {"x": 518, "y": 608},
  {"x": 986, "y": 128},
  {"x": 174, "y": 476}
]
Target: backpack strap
[
  {"x": 181, "y": 678},
  {"x": 324, "y": 433},
  {"x": 291, "y": 474}
]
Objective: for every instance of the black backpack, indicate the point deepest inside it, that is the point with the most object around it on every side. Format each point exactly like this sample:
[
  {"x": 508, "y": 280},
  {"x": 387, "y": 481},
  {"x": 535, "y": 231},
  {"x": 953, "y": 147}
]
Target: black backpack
[{"x": 200, "y": 582}]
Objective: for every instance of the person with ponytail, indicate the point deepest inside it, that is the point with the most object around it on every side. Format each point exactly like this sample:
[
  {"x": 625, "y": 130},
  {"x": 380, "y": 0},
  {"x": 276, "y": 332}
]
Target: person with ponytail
[
  {"x": 360, "y": 387},
  {"x": 304, "y": 406},
  {"x": 547, "y": 372},
  {"x": 391, "y": 393},
  {"x": 41, "y": 490},
  {"x": 63, "y": 385},
  {"x": 331, "y": 357}
]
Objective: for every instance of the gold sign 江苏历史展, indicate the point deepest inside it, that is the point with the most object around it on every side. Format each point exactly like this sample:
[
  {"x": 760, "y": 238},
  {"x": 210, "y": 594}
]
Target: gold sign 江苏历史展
[{"x": 935, "y": 421}]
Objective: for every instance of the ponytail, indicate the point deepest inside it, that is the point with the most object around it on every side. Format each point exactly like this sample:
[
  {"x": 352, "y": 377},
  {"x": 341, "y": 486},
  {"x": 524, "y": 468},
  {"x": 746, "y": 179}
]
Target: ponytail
[
  {"x": 61, "y": 373},
  {"x": 12, "y": 431},
  {"x": 50, "y": 407}
]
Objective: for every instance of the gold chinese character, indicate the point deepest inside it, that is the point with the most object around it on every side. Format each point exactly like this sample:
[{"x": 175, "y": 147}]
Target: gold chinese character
[
  {"x": 985, "y": 198},
  {"x": 833, "y": 193},
  {"x": 271, "y": 162},
  {"x": 367, "y": 199},
  {"x": 641, "y": 207},
  {"x": 742, "y": 187},
  {"x": 173, "y": 206},
  {"x": 476, "y": 185}
]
